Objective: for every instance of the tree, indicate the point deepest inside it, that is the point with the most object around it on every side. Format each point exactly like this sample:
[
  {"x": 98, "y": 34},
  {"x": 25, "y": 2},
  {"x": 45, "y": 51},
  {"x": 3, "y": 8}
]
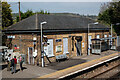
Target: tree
[
  {"x": 25, "y": 15},
  {"x": 111, "y": 15},
  {"x": 103, "y": 7},
  {"x": 6, "y": 15},
  {"x": 104, "y": 17},
  {"x": 30, "y": 13}
]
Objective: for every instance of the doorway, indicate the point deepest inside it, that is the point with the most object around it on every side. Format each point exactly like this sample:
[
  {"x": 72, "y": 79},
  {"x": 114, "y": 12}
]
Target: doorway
[
  {"x": 30, "y": 55},
  {"x": 78, "y": 47}
]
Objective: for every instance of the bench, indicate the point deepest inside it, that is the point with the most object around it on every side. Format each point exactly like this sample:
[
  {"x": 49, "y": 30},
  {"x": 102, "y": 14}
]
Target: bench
[{"x": 60, "y": 57}]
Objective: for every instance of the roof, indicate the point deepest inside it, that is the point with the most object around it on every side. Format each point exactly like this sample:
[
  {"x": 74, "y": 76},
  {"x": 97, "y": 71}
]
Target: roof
[{"x": 54, "y": 22}]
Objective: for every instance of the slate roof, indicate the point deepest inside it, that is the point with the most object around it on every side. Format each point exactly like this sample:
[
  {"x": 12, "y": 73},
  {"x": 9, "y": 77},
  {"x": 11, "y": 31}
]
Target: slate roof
[{"x": 54, "y": 22}]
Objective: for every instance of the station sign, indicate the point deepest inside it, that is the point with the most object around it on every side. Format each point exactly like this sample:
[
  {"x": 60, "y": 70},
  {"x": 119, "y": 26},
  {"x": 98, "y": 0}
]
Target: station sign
[{"x": 58, "y": 40}]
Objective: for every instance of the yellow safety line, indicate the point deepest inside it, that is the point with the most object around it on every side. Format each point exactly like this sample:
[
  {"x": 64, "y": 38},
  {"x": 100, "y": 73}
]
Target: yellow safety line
[{"x": 70, "y": 68}]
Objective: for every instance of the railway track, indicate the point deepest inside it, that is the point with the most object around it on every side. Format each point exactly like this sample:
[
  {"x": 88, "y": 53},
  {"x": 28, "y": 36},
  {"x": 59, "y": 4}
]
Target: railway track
[
  {"x": 112, "y": 73},
  {"x": 90, "y": 70},
  {"x": 106, "y": 71},
  {"x": 116, "y": 76}
]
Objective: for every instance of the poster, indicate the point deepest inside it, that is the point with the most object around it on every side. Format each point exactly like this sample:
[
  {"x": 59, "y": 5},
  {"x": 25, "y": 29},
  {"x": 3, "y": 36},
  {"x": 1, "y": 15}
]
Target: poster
[{"x": 59, "y": 48}]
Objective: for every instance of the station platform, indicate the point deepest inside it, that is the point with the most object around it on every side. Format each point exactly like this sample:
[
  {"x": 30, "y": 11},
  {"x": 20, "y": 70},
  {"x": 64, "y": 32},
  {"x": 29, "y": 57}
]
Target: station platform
[
  {"x": 91, "y": 61},
  {"x": 56, "y": 70}
]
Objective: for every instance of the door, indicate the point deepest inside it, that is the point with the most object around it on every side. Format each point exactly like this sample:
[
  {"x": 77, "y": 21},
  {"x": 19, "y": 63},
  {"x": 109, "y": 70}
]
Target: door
[
  {"x": 65, "y": 45},
  {"x": 78, "y": 47},
  {"x": 30, "y": 55}
]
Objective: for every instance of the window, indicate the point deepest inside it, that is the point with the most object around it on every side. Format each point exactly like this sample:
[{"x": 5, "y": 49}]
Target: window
[
  {"x": 49, "y": 48},
  {"x": 65, "y": 45},
  {"x": 105, "y": 36},
  {"x": 98, "y": 36},
  {"x": 90, "y": 42},
  {"x": 90, "y": 37}
]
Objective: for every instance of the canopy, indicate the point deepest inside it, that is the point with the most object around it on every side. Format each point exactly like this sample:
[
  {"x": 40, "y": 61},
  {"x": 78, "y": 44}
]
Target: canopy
[{"x": 103, "y": 39}]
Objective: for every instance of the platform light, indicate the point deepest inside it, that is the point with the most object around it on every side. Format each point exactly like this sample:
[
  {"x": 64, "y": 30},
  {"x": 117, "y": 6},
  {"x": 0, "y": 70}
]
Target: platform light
[{"x": 42, "y": 55}]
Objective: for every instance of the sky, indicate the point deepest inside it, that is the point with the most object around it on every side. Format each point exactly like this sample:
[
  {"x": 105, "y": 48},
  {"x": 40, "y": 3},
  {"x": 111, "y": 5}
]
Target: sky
[
  {"x": 82, "y": 7},
  {"x": 58, "y": 0},
  {"x": 91, "y": 8}
]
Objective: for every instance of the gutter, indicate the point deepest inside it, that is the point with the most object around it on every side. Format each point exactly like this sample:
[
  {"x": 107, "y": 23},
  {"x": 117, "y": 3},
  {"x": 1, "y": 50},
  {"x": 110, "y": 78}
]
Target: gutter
[{"x": 52, "y": 30}]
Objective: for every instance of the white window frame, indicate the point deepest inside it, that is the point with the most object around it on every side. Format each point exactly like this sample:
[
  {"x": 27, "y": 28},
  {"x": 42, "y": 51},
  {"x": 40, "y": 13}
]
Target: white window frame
[
  {"x": 90, "y": 42},
  {"x": 65, "y": 45},
  {"x": 97, "y": 36},
  {"x": 105, "y": 36},
  {"x": 50, "y": 46}
]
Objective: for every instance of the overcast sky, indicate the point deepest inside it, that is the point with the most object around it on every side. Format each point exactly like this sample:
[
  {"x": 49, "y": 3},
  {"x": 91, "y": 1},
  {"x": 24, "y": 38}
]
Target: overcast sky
[{"x": 91, "y": 8}]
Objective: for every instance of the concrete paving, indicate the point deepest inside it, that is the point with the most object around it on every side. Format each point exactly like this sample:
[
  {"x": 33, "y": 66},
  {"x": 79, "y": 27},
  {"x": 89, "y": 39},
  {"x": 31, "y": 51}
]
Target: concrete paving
[
  {"x": 36, "y": 71},
  {"x": 77, "y": 60},
  {"x": 78, "y": 68},
  {"x": 28, "y": 72}
]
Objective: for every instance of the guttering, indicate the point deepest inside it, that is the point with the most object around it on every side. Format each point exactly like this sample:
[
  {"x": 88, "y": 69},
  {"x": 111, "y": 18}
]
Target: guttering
[{"x": 52, "y": 30}]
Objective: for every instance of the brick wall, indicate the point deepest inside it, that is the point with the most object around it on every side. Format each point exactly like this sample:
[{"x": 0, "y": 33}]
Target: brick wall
[{"x": 23, "y": 41}]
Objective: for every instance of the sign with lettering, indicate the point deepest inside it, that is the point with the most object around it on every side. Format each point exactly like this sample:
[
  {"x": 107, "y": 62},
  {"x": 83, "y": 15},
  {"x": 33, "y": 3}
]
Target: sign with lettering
[{"x": 58, "y": 40}]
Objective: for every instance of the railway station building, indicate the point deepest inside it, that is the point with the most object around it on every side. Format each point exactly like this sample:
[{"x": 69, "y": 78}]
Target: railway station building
[{"x": 66, "y": 35}]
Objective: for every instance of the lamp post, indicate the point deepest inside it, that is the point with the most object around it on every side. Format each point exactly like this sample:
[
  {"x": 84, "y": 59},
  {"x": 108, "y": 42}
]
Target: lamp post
[
  {"x": 88, "y": 36},
  {"x": 42, "y": 55}
]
